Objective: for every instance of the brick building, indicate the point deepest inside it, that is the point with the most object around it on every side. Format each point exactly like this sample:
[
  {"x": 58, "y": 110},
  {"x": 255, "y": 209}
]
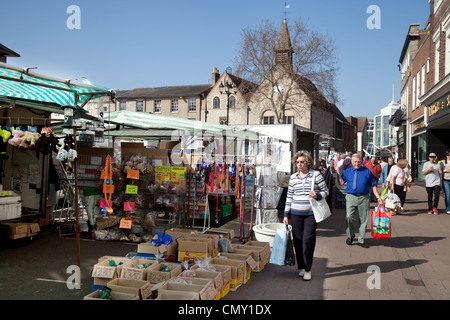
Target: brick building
[{"x": 425, "y": 91}]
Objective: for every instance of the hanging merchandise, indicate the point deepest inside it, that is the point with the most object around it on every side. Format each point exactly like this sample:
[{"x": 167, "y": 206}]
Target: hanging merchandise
[
  {"x": 17, "y": 135},
  {"x": 48, "y": 142},
  {"x": 67, "y": 153},
  {"x": 108, "y": 187}
]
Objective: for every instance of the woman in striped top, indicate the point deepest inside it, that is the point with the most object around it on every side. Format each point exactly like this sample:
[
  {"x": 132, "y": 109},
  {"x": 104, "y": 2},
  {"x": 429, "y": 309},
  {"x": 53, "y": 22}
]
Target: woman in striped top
[{"x": 298, "y": 209}]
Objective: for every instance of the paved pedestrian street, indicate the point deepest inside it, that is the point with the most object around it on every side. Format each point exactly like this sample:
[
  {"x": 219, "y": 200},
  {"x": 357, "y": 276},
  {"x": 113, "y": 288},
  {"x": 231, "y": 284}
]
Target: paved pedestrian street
[{"x": 411, "y": 265}]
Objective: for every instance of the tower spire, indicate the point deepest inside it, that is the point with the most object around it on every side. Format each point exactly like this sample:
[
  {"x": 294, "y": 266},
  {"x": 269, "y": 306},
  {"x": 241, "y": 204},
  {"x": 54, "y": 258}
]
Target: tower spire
[{"x": 283, "y": 48}]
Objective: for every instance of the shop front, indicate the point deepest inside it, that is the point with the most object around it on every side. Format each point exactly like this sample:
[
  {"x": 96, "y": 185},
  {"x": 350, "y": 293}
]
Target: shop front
[{"x": 430, "y": 133}]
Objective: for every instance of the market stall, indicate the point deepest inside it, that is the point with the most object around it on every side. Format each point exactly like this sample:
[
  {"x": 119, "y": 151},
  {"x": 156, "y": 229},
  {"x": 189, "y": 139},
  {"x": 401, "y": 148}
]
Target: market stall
[
  {"x": 206, "y": 155},
  {"x": 28, "y": 100}
]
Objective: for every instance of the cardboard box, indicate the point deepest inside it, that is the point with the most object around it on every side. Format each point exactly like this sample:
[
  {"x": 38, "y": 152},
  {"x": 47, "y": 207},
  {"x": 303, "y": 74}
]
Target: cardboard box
[
  {"x": 33, "y": 228},
  {"x": 118, "y": 258},
  {"x": 17, "y": 230},
  {"x": 214, "y": 241},
  {"x": 226, "y": 233},
  {"x": 177, "y": 295},
  {"x": 140, "y": 288},
  {"x": 209, "y": 291},
  {"x": 255, "y": 263},
  {"x": 175, "y": 233},
  {"x": 131, "y": 271},
  {"x": 199, "y": 290},
  {"x": 156, "y": 275},
  {"x": 216, "y": 278},
  {"x": 248, "y": 260},
  {"x": 260, "y": 252},
  {"x": 103, "y": 272},
  {"x": 96, "y": 295},
  {"x": 133, "y": 149},
  {"x": 225, "y": 271},
  {"x": 191, "y": 248},
  {"x": 237, "y": 270},
  {"x": 168, "y": 145},
  {"x": 147, "y": 249}
]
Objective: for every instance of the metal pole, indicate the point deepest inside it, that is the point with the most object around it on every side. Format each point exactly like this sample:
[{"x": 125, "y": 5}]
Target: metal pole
[{"x": 77, "y": 209}]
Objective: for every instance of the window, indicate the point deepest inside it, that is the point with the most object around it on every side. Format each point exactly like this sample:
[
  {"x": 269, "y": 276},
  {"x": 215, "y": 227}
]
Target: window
[
  {"x": 232, "y": 102},
  {"x": 414, "y": 93},
  {"x": 437, "y": 4},
  {"x": 436, "y": 62},
  {"x": 386, "y": 132},
  {"x": 192, "y": 104},
  {"x": 216, "y": 103},
  {"x": 269, "y": 120},
  {"x": 139, "y": 105},
  {"x": 423, "y": 81},
  {"x": 288, "y": 120},
  {"x": 123, "y": 105},
  {"x": 418, "y": 89},
  {"x": 157, "y": 106},
  {"x": 446, "y": 27},
  {"x": 174, "y": 105}
]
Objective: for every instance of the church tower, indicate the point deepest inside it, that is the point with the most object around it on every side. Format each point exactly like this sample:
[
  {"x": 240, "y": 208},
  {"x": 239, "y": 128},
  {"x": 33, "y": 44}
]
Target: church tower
[{"x": 283, "y": 48}]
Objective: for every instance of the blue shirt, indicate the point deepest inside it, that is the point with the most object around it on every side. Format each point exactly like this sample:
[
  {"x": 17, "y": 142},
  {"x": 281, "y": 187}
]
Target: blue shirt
[{"x": 364, "y": 181}]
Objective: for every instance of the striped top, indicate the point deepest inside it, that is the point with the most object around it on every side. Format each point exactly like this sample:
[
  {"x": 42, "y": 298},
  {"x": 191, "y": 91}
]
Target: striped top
[{"x": 297, "y": 200}]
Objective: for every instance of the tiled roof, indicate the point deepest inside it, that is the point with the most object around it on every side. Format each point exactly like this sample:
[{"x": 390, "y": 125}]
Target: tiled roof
[{"x": 164, "y": 92}]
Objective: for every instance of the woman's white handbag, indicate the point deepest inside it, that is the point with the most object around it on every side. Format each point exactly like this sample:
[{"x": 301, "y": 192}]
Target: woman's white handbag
[{"x": 319, "y": 207}]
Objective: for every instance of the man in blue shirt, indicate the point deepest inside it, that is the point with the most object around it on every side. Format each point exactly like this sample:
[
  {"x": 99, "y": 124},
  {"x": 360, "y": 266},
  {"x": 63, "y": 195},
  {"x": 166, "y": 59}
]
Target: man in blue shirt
[{"x": 359, "y": 181}]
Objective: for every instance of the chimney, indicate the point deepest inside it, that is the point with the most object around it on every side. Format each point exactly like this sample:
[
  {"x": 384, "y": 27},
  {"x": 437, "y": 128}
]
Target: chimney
[{"x": 215, "y": 75}]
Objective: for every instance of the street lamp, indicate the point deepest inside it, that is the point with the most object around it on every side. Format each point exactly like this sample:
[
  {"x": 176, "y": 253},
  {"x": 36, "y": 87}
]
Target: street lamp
[{"x": 228, "y": 89}]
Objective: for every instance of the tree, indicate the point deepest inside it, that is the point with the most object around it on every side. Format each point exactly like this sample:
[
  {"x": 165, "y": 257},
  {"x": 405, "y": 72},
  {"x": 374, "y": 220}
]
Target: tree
[{"x": 299, "y": 58}]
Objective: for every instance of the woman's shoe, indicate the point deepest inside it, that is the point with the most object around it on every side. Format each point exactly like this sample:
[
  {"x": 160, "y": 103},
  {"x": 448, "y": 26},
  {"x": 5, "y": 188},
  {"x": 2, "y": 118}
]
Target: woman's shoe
[
  {"x": 301, "y": 273},
  {"x": 307, "y": 276}
]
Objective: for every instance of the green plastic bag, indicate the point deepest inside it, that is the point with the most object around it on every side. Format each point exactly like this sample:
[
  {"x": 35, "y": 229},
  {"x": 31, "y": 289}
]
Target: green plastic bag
[{"x": 384, "y": 192}]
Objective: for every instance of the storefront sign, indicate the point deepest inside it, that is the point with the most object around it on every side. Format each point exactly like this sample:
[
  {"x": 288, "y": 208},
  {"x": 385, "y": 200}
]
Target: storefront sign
[
  {"x": 418, "y": 126},
  {"x": 439, "y": 106}
]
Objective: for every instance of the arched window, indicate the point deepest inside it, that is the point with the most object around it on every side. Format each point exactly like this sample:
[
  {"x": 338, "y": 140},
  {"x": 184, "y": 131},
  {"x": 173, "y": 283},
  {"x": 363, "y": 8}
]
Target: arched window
[
  {"x": 232, "y": 102},
  {"x": 216, "y": 103}
]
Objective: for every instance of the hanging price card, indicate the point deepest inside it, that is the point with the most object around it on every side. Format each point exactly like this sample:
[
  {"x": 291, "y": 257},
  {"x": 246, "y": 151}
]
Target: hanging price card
[
  {"x": 131, "y": 189},
  {"x": 133, "y": 174}
]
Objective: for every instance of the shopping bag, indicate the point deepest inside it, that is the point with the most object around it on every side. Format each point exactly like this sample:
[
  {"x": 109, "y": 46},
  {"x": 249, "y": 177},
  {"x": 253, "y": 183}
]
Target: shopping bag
[
  {"x": 278, "y": 254},
  {"x": 381, "y": 223},
  {"x": 392, "y": 201},
  {"x": 384, "y": 192},
  {"x": 320, "y": 207},
  {"x": 290, "y": 254}
]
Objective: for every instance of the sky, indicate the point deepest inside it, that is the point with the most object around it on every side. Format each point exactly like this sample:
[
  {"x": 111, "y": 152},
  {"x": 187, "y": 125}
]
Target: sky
[{"x": 151, "y": 43}]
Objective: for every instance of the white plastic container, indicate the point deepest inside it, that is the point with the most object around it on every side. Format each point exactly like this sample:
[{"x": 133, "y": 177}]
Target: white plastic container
[
  {"x": 10, "y": 208},
  {"x": 266, "y": 231}
]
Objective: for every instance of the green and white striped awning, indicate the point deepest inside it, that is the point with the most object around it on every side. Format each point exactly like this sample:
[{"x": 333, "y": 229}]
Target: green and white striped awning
[
  {"x": 17, "y": 83},
  {"x": 148, "y": 121}
]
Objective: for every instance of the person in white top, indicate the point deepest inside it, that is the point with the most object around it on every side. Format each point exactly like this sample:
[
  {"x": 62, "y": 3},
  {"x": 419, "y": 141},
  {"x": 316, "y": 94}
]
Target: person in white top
[
  {"x": 399, "y": 182},
  {"x": 433, "y": 182},
  {"x": 446, "y": 180}
]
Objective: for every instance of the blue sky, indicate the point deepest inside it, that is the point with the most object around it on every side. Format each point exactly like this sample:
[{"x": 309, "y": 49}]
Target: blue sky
[{"x": 137, "y": 43}]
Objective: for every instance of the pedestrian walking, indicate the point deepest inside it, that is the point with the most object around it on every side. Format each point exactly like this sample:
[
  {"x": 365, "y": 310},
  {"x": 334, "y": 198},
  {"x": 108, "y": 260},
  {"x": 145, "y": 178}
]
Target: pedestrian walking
[
  {"x": 298, "y": 209},
  {"x": 399, "y": 181},
  {"x": 359, "y": 181},
  {"x": 330, "y": 180},
  {"x": 446, "y": 180},
  {"x": 376, "y": 169},
  {"x": 433, "y": 182},
  {"x": 385, "y": 172}
]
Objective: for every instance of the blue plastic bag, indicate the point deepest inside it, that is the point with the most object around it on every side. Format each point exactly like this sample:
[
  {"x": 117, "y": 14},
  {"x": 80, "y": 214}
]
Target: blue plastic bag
[{"x": 278, "y": 254}]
